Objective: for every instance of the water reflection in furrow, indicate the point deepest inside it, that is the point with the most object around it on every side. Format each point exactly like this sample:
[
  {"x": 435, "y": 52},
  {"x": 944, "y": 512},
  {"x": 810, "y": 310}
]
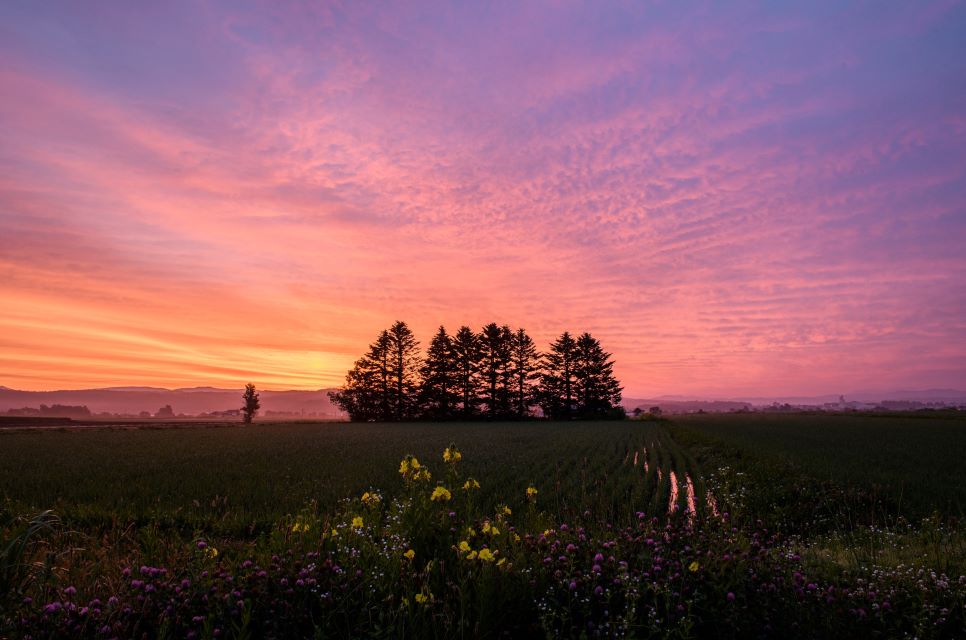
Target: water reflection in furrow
[{"x": 672, "y": 504}]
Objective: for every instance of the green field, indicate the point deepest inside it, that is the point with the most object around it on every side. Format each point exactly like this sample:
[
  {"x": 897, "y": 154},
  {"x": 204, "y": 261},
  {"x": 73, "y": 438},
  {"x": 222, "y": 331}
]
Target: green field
[
  {"x": 696, "y": 526},
  {"x": 234, "y": 479},
  {"x": 915, "y": 464}
]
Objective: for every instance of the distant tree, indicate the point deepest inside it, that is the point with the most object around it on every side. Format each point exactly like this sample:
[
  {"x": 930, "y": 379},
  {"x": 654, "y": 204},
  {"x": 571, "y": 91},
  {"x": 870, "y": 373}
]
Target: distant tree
[
  {"x": 597, "y": 391},
  {"x": 495, "y": 368},
  {"x": 165, "y": 412},
  {"x": 251, "y": 403},
  {"x": 557, "y": 382},
  {"x": 466, "y": 365},
  {"x": 404, "y": 362},
  {"x": 438, "y": 397},
  {"x": 524, "y": 373}
]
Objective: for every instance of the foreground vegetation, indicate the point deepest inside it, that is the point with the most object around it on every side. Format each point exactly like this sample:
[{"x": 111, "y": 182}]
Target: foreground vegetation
[{"x": 640, "y": 529}]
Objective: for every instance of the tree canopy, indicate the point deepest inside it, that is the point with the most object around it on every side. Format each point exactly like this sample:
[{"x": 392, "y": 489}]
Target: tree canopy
[{"x": 494, "y": 374}]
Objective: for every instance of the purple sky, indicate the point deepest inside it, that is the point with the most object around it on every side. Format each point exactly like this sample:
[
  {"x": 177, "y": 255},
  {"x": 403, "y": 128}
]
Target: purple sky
[{"x": 735, "y": 198}]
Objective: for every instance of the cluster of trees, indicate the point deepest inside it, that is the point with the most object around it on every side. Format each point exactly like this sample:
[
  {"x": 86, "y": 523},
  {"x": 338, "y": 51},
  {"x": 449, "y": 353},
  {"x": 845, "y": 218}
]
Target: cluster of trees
[{"x": 496, "y": 374}]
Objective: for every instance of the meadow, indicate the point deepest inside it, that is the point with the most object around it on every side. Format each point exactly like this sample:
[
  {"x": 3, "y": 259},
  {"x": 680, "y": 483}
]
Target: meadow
[{"x": 699, "y": 526}]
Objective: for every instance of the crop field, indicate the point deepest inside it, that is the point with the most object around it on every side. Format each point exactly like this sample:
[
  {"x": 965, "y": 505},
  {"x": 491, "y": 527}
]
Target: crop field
[
  {"x": 235, "y": 479},
  {"x": 698, "y": 526},
  {"x": 914, "y": 463}
]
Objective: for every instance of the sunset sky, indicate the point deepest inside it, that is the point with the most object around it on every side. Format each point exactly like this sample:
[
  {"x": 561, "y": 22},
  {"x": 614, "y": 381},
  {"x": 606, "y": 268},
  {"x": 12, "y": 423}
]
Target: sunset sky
[{"x": 736, "y": 199}]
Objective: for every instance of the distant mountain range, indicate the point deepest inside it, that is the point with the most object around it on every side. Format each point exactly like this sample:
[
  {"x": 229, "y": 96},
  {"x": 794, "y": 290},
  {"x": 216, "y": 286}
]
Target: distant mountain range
[
  {"x": 198, "y": 400},
  {"x": 678, "y": 403},
  {"x": 191, "y": 401}
]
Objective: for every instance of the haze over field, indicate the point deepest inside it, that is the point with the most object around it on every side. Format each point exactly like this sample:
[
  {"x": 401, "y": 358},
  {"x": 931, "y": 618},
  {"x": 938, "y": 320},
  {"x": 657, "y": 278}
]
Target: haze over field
[{"x": 738, "y": 200}]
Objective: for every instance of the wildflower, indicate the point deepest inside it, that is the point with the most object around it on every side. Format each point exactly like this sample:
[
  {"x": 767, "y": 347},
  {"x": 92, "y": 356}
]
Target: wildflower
[
  {"x": 531, "y": 493},
  {"x": 516, "y": 537},
  {"x": 464, "y": 546},
  {"x": 371, "y": 499},
  {"x": 422, "y": 474},
  {"x": 441, "y": 494},
  {"x": 471, "y": 555},
  {"x": 211, "y": 552},
  {"x": 494, "y": 531},
  {"x": 486, "y": 555},
  {"x": 410, "y": 469},
  {"x": 471, "y": 484},
  {"x": 357, "y": 522},
  {"x": 693, "y": 567},
  {"x": 452, "y": 454},
  {"x": 730, "y": 597},
  {"x": 505, "y": 510},
  {"x": 335, "y": 534},
  {"x": 300, "y": 527},
  {"x": 410, "y": 554},
  {"x": 501, "y": 562},
  {"x": 470, "y": 532},
  {"x": 423, "y": 598}
]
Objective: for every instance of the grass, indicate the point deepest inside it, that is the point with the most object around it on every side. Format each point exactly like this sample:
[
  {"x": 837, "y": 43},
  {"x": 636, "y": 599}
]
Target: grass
[{"x": 806, "y": 535}]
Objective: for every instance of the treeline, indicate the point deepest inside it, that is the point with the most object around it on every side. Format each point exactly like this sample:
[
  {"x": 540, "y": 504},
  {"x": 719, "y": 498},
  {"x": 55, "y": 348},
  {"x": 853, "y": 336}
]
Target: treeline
[{"x": 496, "y": 374}]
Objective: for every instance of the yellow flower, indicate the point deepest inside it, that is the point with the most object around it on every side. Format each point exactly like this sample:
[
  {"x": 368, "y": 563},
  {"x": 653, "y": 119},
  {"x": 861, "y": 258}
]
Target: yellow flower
[
  {"x": 464, "y": 546},
  {"x": 501, "y": 562},
  {"x": 300, "y": 527},
  {"x": 516, "y": 537},
  {"x": 531, "y": 493},
  {"x": 486, "y": 526},
  {"x": 471, "y": 555},
  {"x": 422, "y": 474},
  {"x": 371, "y": 499},
  {"x": 410, "y": 554},
  {"x": 409, "y": 468},
  {"x": 470, "y": 532},
  {"x": 335, "y": 534},
  {"x": 505, "y": 510},
  {"x": 441, "y": 494},
  {"x": 494, "y": 531},
  {"x": 452, "y": 454},
  {"x": 548, "y": 532},
  {"x": 357, "y": 522},
  {"x": 423, "y": 598},
  {"x": 470, "y": 485},
  {"x": 211, "y": 552},
  {"x": 693, "y": 567},
  {"x": 486, "y": 555}
]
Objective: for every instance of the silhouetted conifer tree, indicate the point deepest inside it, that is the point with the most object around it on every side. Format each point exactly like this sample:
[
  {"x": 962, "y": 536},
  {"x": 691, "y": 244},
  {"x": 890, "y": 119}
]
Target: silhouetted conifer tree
[
  {"x": 466, "y": 365},
  {"x": 495, "y": 361},
  {"x": 597, "y": 391},
  {"x": 438, "y": 394},
  {"x": 404, "y": 364},
  {"x": 524, "y": 373},
  {"x": 557, "y": 380},
  {"x": 366, "y": 393}
]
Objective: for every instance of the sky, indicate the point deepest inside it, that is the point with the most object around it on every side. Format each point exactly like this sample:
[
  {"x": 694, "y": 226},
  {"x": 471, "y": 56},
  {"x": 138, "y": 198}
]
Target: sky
[{"x": 735, "y": 198}]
